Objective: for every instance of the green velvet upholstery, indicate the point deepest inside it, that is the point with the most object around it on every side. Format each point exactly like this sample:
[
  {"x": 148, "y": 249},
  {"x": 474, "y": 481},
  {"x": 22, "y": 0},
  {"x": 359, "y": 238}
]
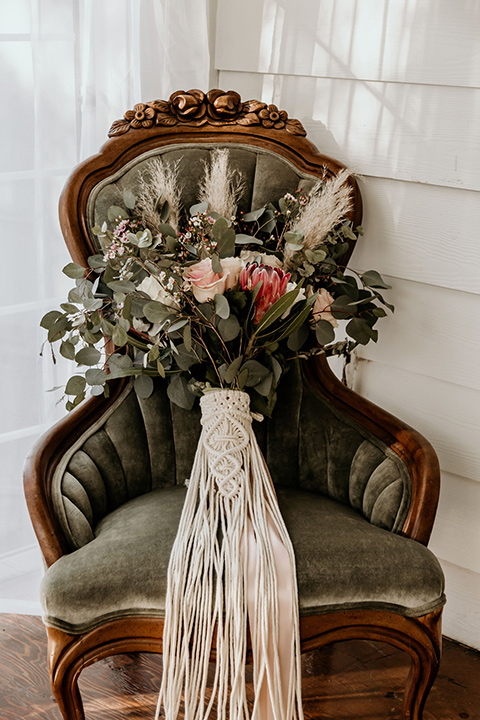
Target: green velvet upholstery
[
  {"x": 147, "y": 443},
  {"x": 343, "y": 562}
]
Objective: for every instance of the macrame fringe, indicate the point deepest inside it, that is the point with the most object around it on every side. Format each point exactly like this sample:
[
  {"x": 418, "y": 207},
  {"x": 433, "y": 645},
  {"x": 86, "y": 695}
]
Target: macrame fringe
[{"x": 230, "y": 495}]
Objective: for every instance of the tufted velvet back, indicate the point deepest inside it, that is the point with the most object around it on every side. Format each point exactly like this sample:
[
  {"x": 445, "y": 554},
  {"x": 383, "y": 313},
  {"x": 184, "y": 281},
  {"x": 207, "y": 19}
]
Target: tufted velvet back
[{"x": 144, "y": 444}]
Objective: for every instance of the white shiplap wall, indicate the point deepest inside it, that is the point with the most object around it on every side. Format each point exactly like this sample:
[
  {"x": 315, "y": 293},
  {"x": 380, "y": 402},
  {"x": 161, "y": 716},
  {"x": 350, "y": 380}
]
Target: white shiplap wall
[{"x": 392, "y": 88}]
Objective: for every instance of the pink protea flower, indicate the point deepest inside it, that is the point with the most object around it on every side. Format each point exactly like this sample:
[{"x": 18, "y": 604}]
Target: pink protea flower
[{"x": 274, "y": 285}]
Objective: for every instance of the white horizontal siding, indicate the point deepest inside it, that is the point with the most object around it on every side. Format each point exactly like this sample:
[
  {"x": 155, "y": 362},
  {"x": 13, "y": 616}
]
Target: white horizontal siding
[
  {"x": 447, "y": 414},
  {"x": 421, "y": 233},
  {"x": 460, "y": 618},
  {"x": 403, "y": 131},
  {"x": 391, "y": 88},
  {"x": 428, "y": 41},
  {"x": 455, "y": 536},
  {"x": 431, "y": 332}
]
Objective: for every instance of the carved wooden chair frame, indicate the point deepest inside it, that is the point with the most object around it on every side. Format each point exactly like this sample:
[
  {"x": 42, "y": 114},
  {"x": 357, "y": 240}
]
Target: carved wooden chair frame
[{"x": 222, "y": 117}]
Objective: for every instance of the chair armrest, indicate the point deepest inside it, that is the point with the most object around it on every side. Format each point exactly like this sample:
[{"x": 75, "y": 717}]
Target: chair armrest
[
  {"x": 42, "y": 461},
  {"x": 414, "y": 450}
]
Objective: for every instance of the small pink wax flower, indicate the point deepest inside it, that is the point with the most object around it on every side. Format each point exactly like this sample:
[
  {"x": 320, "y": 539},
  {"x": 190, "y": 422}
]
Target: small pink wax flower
[{"x": 274, "y": 285}]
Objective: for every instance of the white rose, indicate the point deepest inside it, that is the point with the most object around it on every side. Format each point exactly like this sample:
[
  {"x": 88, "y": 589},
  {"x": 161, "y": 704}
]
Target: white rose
[
  {"x": 156, "y": 291},
  {"x": 233, "y": 266}
]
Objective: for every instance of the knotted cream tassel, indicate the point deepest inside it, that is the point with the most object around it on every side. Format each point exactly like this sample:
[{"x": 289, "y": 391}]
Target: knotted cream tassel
[{"x": 231, "y": 541}]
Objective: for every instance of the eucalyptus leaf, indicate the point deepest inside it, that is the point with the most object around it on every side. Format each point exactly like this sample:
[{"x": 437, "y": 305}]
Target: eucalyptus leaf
[
  {"x": 95, "y": 376},
  {"x": 115, "y": 213},
  {"x": 373, "y": 279},
  {"x": 122, "y": 286},
  {"x": 119, "y": 336},
  {"x": 324, "y": 332},
  {"x": 253, "y": 215},
  {"x": 179, "y": 392},
  {"x": 75, "y": 385},
  {"x": 264, "y": 386},
  {"x": 96, "y": 261},
  {"x": 73, "y": 270},
  {"x": 242, "y": 239},
  {"x": 50, "y": 319},
  {"x": 119, "y": 361},
  {"x": 143, "y": 385},
  {"x": 256, "y": 372},
  {"x": 177, "y": 325},
  {"x": 339, "y": 307},
  {"x": 128, "y": 199},
  {"x": 187, "y": 337},
  {"x": 242, "y": 378},
  {"x": 359, "y": 330},
  {"x": 229, "y": 328},
  {"x": 67, "y": 350},
  {"x": 233, "y": 369},
  {"x": 222, "y": 308},
  {"x": 69, "y": 308},
  {"x": 276, "y": 368},
  {"x": 166, "y": 230},
  {"x": 198, "y": 208},
  {"x": 58, "y": 329},
  {"x": 92, "y": 304},
  {"x": 156, "y": 311},
  {"x": 298, "y": 338},
  {"x": 88, "y": 356},
  {"x": 96, "y": 390},
  {"x": 216, "y": 264}
]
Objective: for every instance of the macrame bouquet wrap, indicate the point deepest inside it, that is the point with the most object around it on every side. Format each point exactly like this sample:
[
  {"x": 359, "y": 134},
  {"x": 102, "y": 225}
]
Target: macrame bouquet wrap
[{"x": 232, "y": 558}]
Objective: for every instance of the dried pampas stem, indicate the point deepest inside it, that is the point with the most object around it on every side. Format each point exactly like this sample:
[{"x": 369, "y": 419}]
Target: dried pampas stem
[
  {"x": 329, "y": 201},
  {"x": 159, "y": 179},
  {"x": 221, "y": 186}
]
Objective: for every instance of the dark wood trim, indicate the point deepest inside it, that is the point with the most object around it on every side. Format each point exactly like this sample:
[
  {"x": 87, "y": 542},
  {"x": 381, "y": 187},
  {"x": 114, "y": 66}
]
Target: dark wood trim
[
  {"x": 415, "y": 450},
  {"x": 419, "y": 637}
]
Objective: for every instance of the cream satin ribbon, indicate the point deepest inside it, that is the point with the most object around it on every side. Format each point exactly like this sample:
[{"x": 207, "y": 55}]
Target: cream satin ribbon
[{"x": 263, "y": 706}]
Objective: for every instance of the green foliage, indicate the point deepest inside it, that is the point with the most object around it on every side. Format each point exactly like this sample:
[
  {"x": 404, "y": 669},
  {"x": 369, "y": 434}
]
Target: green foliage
[{"x": 118, "y": 322}]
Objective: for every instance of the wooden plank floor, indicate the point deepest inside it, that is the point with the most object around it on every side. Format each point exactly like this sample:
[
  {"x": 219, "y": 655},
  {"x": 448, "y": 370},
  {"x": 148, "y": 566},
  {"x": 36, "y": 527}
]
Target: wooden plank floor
[{"x": 348, "y": 681}]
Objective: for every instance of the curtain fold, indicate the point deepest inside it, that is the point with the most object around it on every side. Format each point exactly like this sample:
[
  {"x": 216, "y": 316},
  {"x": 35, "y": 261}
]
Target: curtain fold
[{"x": 69, "y": 69}]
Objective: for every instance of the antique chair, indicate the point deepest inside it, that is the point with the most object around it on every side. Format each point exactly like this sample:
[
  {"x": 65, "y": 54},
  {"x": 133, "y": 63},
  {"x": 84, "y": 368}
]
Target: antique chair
[{"x": 358, "y": 488}]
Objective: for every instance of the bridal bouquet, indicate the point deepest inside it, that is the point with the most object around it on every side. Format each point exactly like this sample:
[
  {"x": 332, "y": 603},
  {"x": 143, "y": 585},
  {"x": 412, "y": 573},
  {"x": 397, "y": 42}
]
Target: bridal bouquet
[{"x": 212, "y": 297}]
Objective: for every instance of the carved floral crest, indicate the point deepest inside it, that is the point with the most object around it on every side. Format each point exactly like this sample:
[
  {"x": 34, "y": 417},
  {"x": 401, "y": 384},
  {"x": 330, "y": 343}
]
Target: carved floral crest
[{"x": 194, "y": 108}]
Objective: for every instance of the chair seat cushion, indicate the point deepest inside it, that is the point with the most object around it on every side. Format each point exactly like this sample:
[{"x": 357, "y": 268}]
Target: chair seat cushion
[{"x": 343, "y": 562}]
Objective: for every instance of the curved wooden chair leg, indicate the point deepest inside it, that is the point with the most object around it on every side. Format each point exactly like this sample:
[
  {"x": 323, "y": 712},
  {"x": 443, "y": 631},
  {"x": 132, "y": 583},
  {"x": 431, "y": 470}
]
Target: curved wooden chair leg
[
  {"x": 65, "y": 666},
  {"x": 419, "y": 637},
  {"x": 425, "y": 661}
]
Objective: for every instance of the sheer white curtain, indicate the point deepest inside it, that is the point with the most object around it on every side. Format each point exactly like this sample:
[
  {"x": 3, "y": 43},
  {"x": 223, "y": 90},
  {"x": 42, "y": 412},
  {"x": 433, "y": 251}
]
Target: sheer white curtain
[{"x": 68, "y": 68}]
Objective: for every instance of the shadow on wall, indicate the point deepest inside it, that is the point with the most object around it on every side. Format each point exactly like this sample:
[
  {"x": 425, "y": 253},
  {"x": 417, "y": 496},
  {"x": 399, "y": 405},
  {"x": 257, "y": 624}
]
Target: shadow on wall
[{"x": 393, "y": 84}]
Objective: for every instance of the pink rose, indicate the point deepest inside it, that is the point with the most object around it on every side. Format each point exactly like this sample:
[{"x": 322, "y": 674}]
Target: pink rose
[
  {"x": 206, "y": 283},
  {"x": 274, "y": 285},
  {"x": 321, "y": 308}
]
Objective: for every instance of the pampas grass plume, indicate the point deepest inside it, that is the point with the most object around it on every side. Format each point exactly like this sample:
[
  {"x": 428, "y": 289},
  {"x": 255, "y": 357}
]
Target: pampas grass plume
[
  {"x": 159, "y": 179},
  {"x": 221, "y": 186},
  {"x": 329, "y": 201}
]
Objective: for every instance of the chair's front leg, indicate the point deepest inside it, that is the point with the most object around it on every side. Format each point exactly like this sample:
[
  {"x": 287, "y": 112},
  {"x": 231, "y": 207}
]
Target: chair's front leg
[
  {"x": 65, "y": 665},
  {"x": 425, "y": 661}
]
